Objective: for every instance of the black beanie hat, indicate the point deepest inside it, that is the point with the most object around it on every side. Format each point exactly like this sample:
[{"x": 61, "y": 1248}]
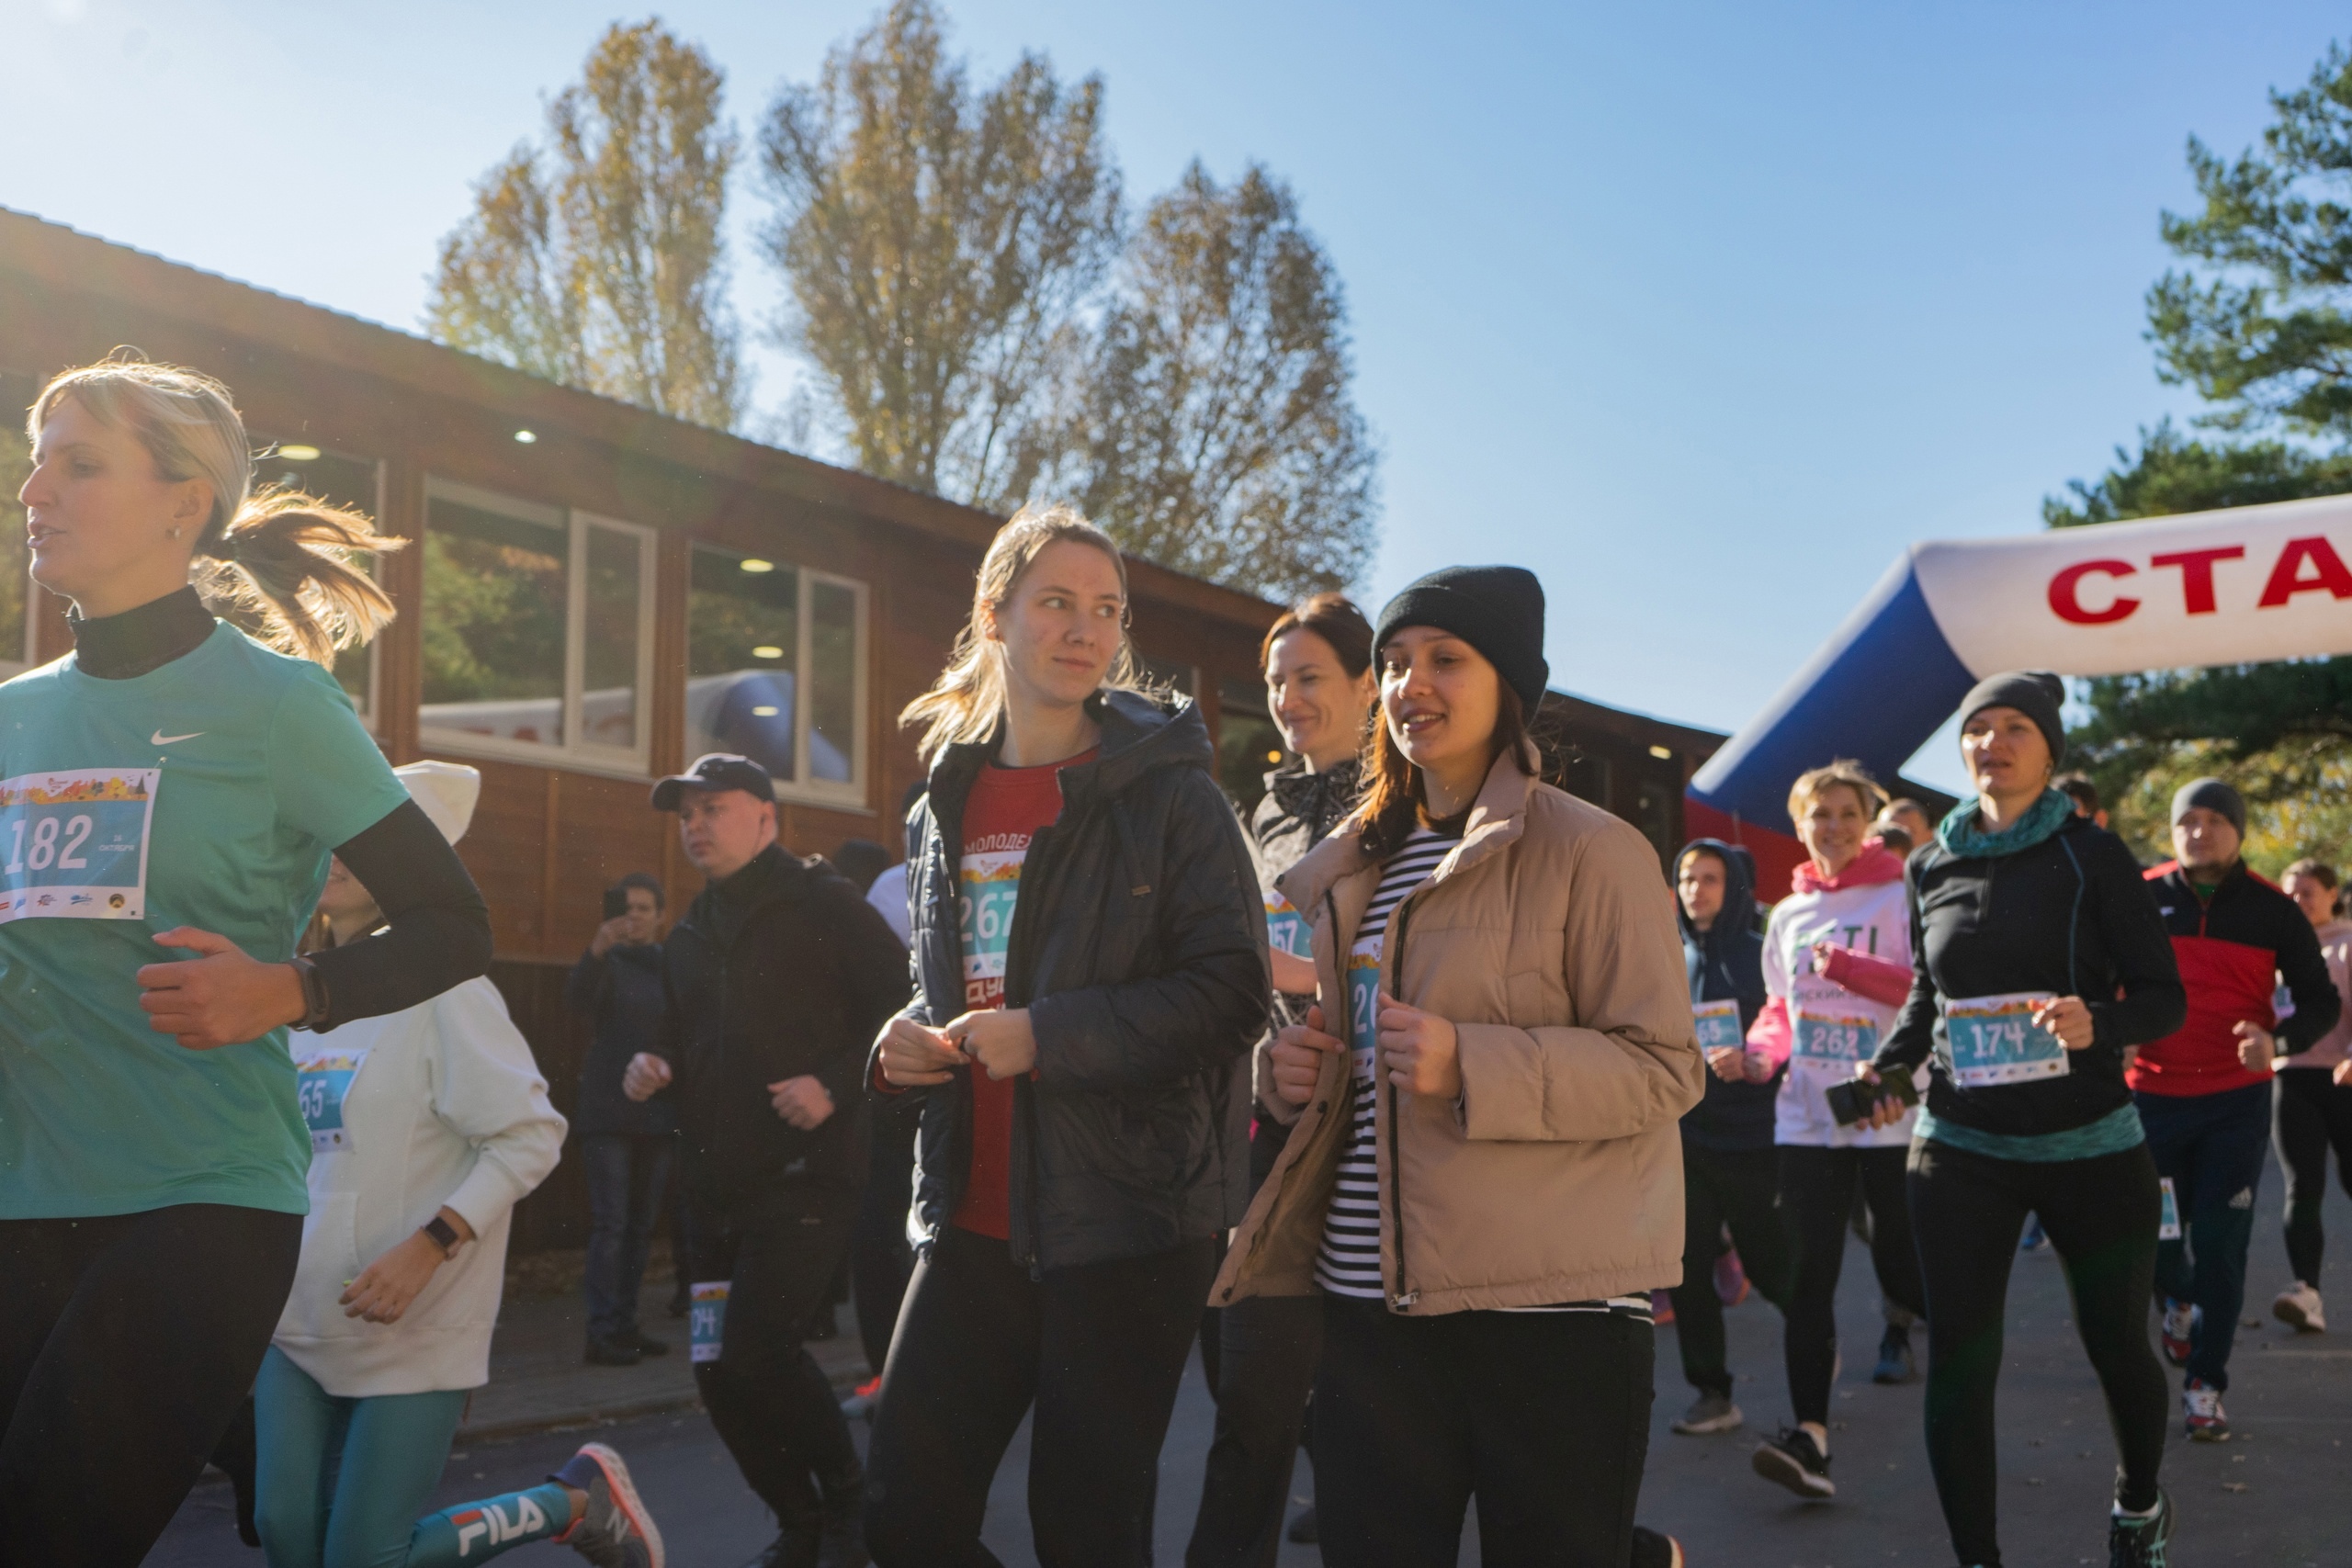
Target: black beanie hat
[
  {"x": 1498, "y": 610},
  {"x": 2213, "y": 794},
  {"x": 2037, "y": 694}
]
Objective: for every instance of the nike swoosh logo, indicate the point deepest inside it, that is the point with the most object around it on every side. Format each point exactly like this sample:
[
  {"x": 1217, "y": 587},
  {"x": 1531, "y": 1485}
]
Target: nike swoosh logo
[{"x": 160, "y": 738}]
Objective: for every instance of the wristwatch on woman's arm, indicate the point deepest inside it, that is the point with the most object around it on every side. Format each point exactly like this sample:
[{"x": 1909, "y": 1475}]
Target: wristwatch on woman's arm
[{"x": 444, "y": 1235}]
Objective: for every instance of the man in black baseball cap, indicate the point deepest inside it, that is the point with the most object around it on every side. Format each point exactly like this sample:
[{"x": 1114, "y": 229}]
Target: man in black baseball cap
[{"x": 779, "y": 974}]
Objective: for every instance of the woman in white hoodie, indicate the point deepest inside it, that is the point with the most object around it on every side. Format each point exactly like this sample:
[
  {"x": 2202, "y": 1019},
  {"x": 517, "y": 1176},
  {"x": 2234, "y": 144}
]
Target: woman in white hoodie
[
  {"x": 1837, "y": 968},
  {"x": 426, "y": 1127}
]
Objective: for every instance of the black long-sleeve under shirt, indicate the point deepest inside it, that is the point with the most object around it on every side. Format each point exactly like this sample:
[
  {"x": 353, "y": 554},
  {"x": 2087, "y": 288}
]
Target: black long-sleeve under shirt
[
  {"x": 436, "y": 931},
  {"x": 2070, "y": 916}
]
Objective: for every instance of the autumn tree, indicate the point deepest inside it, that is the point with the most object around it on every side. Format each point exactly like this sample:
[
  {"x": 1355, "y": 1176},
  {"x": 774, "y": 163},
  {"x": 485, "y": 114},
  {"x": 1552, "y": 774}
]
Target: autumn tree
[
  {"x": 937, "y": 243},
  {"x": 596, "y": 259},
  {"x": 1216, "y": 431}
]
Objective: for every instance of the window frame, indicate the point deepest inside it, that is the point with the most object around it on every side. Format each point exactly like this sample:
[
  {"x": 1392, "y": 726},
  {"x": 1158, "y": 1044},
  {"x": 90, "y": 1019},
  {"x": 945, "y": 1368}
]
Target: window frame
[
  {"x": 572, "y": 754},
  {"x": 805, "y": 790}
]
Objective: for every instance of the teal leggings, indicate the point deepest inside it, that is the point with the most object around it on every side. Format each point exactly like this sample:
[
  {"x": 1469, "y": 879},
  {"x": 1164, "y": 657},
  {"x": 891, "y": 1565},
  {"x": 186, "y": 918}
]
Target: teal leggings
[{"x": 339, "y": 1483}]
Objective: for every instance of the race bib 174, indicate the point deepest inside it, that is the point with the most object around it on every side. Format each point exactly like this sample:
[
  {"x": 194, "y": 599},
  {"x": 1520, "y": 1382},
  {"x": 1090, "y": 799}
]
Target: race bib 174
[
  {"x": 74, "y": 844},
  {"x": 1718, "y": 1024},
  {"x": 1994, "y": 1042}
]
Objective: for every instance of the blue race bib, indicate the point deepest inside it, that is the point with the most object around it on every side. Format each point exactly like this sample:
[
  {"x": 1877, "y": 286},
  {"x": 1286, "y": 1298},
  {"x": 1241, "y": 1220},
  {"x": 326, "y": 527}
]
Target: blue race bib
[
  {"x": 322, "y": 1085},
  {"x": 1718, "y": 1024},
  {"x": 707, "y": 1323},
  {"x": 75, "y": 843},
  {"x": 1993, "y": 1041},
  {"x": 1836, "y": 1037}
]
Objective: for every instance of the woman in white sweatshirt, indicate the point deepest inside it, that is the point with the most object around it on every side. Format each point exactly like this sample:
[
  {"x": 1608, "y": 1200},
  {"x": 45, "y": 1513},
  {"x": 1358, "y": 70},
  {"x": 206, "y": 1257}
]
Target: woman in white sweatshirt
[
  {"x": 426, "y": 1127},
  {"x": 1837, "y": 968}
]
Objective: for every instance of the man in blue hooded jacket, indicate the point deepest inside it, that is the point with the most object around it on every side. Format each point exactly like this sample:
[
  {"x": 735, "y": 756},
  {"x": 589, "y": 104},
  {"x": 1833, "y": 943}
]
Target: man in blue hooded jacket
[{"x": 1729, "y": 1165}]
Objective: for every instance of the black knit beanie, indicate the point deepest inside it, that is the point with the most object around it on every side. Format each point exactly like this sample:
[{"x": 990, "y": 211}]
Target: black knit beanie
[
  {"x": 1498, "y": 610},
  {"x": 2213, "y": 794},
  {"x": 2037, "y": 694}
]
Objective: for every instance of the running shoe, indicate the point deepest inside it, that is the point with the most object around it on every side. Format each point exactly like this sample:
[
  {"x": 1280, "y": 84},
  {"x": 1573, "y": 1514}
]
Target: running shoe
[
  {"x": 1894, "y": 1363},
  {"x": 2299, "y": 1304},
  {"x": 1731, "y": 1278},
  {"x": 611, "y": 1353},
  {"x": 2180, "y": 1323},
  {"x": 2201, "y": 1402},
  {"x": 2140, "y": 1542},
  {"x": 1661, "y": 1309},
  {"x": 1652, "y": 1550},
  {"x": 1708, "y": 1413},
  {"x": 1793, "y": 1461},
  {"x": 2035, "y": 1240},
  {"x": 614, "y": 1531},
  {"x": 645, "y": 1344}
]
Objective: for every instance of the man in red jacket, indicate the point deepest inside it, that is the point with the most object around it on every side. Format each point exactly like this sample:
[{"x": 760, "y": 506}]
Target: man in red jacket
[{"x": 2204, "y": 1091}]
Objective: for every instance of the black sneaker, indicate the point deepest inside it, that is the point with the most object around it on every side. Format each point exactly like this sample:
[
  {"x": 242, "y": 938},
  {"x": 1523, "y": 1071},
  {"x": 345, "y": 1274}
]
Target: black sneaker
[
  {"x": 1895, "y": 1364},
  {"x": 1793, "y": 1461},
  {"x": 2141, "y": 1543},
  {"x": 1652, "y": 1550},
  {"x": 612, "y": 1353},
  {"x": 645, "y": 1344}
]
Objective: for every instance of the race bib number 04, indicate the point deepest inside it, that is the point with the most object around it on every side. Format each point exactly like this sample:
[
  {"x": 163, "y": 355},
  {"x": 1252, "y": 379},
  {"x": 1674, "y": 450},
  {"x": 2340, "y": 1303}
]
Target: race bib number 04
[
  {"x": 74, "y": 844},
  {"x": 706, "y": 1326},
  {"x": 1993, "y": 1041},
  {"x": 1718, "y": 1024}
]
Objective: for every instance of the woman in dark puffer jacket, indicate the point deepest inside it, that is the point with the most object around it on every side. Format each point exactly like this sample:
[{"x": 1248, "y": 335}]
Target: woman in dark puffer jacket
[{"x": 1091, "y": 954}]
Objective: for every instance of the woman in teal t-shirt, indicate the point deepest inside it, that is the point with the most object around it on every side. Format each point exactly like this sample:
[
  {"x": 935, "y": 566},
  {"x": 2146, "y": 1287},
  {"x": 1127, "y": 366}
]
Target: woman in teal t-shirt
[{"x": 169, "y": 793}]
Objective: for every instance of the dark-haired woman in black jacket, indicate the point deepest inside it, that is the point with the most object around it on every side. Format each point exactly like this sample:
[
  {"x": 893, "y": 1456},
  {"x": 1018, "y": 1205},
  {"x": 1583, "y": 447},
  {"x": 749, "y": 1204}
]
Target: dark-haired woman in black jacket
[
  {"x": 1090, "y": 956},
  {"x": 2040, "y": 960}
]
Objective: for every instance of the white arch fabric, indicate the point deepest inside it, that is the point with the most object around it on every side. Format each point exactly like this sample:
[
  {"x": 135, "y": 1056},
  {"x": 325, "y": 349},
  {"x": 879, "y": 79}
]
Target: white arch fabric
[{"x": 2236, "y": 587}]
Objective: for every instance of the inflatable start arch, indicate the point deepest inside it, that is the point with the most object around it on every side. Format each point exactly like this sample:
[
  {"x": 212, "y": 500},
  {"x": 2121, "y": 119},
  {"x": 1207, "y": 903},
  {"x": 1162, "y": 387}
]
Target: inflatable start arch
[{"x": 2235, "y": 587}]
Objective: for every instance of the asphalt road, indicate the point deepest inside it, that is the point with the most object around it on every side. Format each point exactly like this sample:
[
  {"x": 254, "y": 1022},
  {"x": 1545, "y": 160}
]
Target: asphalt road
[{"x": 2277, "y": 1495}]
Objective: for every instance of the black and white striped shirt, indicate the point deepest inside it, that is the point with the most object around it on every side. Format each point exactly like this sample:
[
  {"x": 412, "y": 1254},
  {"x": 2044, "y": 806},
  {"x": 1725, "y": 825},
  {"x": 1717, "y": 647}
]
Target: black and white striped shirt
[{"x": 1349, "y": 1261}]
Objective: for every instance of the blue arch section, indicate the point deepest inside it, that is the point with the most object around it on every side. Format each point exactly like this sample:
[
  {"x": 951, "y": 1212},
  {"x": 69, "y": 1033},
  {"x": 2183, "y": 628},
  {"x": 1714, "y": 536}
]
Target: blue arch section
[{"x": 1875, "y": 692}]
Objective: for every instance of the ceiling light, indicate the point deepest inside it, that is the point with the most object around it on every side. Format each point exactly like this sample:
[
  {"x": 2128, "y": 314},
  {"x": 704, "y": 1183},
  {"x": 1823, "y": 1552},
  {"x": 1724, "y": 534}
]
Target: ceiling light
[
  {"x": 763, "y": 713},
  {"x": 1661, "y": 753},
  {"x": 753, "y": 563},
  {"x": 767, "y": 651},
  {"x": 299, "y": 454},
  {"x": 526, "y": 436}
]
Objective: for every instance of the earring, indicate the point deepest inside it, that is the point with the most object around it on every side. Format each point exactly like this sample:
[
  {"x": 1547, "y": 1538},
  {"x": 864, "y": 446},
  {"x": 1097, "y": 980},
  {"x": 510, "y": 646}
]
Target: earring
[{"x": 171, "y": 532}]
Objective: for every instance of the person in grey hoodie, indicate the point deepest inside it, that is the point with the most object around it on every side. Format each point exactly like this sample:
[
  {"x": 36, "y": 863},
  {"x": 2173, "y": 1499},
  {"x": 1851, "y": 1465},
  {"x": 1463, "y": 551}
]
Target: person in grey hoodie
[{"x": 1728, "y": 1160}]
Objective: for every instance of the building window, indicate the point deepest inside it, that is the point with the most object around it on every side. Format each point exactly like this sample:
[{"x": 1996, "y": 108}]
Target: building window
[
  {"x": 760, "y": 634},
  {"x": 537, "y": 631},
  {"x": 355, "y": 482}
]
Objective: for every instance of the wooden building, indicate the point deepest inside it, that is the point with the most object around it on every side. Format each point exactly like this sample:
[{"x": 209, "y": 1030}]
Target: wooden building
[{"x": 593, "y": 594}]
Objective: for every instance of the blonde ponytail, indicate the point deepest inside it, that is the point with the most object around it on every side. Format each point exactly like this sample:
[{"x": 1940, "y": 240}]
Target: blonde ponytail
[
  {"x": 964, "y": 703},
  {"x": 277, "y": 560}
]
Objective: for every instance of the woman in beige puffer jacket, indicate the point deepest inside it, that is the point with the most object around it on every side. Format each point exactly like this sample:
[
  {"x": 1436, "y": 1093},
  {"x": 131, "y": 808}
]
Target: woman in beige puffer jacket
[{"x": 1483, "y": 1176}]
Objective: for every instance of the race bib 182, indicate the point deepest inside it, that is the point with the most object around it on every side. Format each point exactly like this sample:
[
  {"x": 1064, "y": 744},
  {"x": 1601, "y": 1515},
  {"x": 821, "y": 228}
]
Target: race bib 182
[
  {"x": 75, "y": 843},
  {"x": 1718, "y": 1024},
  {"x": 1993, "y": 1041}
]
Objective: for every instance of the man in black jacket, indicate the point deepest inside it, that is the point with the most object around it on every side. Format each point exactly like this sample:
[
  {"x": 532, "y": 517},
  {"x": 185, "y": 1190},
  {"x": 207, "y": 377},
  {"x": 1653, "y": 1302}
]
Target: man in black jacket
[
  {"x": 780, "y": 974},
  {"x": 627, "y": 1147}
]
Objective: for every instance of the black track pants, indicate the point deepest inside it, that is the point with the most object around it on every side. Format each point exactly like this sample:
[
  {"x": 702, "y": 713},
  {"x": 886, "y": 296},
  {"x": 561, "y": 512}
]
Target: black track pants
[
  {"x": 1816, "y": 1203},
  {"x": 1739, "y": 1189},
  {"x": 126, "y": 1345},
  {"x": 1269, "y": 1347},
  {"x": 1099, "y": 1349},
  {"x": 2313, "y": 1115},
  {"x": 2101, "y": 1216}
]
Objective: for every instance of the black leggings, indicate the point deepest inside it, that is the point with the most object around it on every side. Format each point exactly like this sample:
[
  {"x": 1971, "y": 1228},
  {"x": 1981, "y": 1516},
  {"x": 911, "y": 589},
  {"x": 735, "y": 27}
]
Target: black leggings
[
  {"x": 1269, "y": 1348},
  {"x": 2101, "y": 1216},
  {"x": 1543, "y": 1417},
  {"x": 2312, "y": 1115},
  {"x": 1817, "y": 1203},
  {"x": 127, "y": 1344},
  {"x": 1725, "y": 1188},
  {"x": 1098, "y": 1348}
]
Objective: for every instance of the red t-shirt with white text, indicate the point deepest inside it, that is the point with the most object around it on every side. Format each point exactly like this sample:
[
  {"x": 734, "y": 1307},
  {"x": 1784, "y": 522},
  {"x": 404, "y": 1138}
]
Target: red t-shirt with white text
[{"x": 1003, "y": 812}]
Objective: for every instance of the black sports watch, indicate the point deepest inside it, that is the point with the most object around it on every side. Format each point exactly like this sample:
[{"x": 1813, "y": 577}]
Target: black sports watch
[
  {"x": 314, "y": 994},
  {"x": 444, "y": 1235}
]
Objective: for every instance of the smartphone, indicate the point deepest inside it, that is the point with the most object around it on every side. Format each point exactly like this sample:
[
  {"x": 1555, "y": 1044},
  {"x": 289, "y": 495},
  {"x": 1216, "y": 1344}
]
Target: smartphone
[
  {"x": 1854, "y": 1099},
  {"x": 616, "y": 903}
]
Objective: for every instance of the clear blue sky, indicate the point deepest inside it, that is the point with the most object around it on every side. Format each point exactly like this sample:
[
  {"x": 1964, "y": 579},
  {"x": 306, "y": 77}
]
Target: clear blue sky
[{"x": 1702, "y": 311}]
